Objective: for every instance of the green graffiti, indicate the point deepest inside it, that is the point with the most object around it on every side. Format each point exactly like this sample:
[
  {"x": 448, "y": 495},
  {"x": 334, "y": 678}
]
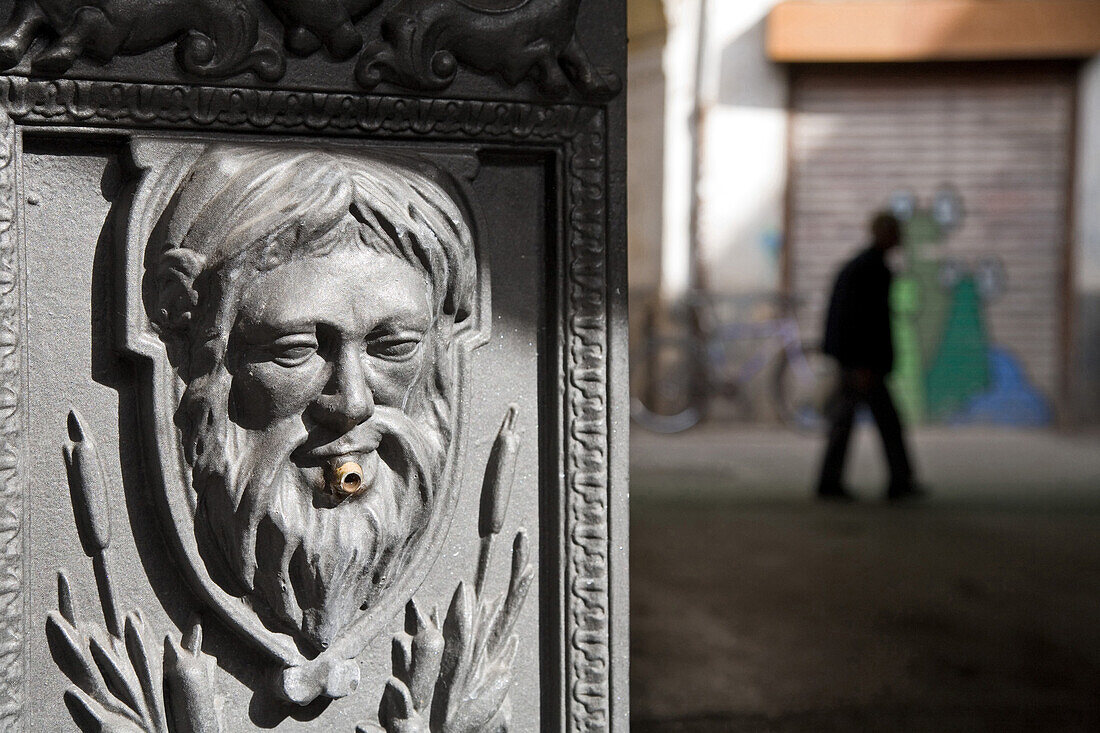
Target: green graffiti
[
  {"x": 940, "y": 343},
  {"x": 960, "y": 368},
  {"x": 907, "y": 379},
  {"x": 923, "y": 244},
  {"x": 946, "y": 367},
  {"x": 919, "y": 306}
]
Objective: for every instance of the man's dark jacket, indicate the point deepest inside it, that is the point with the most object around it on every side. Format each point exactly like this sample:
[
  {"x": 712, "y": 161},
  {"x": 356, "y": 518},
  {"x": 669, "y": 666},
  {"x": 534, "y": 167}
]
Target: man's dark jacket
[{"x": 857, "y": 328}]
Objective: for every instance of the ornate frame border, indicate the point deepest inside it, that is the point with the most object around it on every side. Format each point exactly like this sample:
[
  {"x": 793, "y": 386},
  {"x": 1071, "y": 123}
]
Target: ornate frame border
[
  {"x": 13, "y": 610},
  {"x": 576, "y": 134}
]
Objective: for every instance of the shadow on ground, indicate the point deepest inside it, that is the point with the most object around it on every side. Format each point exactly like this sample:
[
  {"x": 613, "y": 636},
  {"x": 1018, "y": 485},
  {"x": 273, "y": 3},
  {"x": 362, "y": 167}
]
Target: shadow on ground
[
  {"x": 848, "y": 721},
  {"x": 793, "y": 616}
]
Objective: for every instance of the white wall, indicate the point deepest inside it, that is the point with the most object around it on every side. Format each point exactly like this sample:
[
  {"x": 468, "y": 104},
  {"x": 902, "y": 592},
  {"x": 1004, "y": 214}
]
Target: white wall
[
  {"x": 645, "y": 108},
  {"x": 741, "y": 160},
  {"x": 680, "y": 54},
  {"x": 743, "y": 169}
]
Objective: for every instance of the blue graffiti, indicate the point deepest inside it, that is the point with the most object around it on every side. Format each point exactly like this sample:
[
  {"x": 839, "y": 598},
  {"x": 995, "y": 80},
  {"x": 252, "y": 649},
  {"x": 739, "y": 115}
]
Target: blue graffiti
[{"x": 1010, "y": 398}]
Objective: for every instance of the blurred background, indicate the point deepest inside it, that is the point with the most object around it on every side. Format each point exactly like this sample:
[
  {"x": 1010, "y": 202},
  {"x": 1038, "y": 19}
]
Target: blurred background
[{"x": 762, "y": 136}]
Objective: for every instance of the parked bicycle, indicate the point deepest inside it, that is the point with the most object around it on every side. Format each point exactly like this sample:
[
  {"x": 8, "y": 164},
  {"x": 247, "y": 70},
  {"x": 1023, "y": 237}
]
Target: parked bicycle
[{"x": 693, "y": 355}]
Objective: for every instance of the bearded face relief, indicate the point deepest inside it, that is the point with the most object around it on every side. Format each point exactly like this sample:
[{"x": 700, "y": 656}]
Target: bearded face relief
[
  {"x": 309, "y": 303},
  {"x": 325, "y": 357}
]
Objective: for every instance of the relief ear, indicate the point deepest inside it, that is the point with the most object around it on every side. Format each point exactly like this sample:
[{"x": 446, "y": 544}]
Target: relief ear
[{"x": 176, "y": 293}]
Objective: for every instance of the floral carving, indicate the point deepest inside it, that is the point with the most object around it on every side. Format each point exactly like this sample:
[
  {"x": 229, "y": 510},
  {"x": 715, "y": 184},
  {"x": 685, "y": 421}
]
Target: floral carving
[
  {"x": 455, "y": 676},
  {"x": 118, "y": 685}
]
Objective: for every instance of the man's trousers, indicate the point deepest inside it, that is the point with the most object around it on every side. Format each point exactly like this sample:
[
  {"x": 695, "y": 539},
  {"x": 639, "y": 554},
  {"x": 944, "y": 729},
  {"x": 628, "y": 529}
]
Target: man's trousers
[{"x": 858, "y": 388}]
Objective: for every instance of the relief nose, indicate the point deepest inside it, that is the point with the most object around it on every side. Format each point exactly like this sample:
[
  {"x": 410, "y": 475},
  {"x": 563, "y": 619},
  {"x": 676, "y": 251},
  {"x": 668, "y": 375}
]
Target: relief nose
[{"x": 347, "y": 399}]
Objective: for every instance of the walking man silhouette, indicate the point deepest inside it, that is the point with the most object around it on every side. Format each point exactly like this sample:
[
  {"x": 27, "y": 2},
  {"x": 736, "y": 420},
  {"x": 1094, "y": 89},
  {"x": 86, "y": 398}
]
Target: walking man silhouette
[{"x": 857, "y": 335}]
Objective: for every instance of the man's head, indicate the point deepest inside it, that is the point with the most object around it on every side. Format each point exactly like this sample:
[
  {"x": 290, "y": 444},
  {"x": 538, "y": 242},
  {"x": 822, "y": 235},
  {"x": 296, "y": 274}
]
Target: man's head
[
  {"x": 308, "y": 302},
  {"x": 885, "y": 230}
]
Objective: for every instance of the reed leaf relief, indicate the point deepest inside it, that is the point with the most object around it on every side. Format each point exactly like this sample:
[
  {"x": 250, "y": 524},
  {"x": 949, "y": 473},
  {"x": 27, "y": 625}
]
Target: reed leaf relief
[
  {"x": 119, "y": 681},
  {"x": 112, "y": 692},
  {"x": 455, "y": 676}
]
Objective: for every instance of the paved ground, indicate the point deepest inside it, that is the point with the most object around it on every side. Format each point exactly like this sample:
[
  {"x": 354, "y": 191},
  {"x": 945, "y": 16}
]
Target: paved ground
[
  {"x": 975, "y": 466},
  {"x": 756, "y": 609}
]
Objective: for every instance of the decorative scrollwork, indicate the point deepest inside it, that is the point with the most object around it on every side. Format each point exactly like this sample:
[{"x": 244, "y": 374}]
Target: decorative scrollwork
[
  {"x": 422, "y": 46},
  {"x": 424, "y": 43},
  {"x": 587, "y": 568},
  {"x": 214, "y": 39}
]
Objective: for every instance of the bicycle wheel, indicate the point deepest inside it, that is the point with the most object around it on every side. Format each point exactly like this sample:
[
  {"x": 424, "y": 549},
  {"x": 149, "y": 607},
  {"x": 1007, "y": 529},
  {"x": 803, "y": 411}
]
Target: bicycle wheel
[
  {"x": 668, "y": 397},
  {"x": 802, "y": 386},
  {"x": 656, "y": 422}
]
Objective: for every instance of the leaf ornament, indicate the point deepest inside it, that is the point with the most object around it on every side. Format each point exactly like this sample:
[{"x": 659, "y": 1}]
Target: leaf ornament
[
  {"x": 120, "y": 686},
  {"x": 455, "y": 676}
]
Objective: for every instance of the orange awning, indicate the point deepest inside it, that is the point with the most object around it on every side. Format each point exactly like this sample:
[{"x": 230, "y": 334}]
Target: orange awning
[{"x": 932, "y": 30}]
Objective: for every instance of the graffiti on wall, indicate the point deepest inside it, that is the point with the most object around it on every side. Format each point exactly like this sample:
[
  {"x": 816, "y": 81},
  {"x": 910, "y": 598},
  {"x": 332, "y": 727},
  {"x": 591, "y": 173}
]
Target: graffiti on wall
[{"x": 948, "y": 368}]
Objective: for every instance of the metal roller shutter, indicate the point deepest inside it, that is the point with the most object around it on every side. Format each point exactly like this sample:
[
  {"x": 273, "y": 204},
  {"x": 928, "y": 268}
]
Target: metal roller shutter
[{"x": 978, "y": 161}]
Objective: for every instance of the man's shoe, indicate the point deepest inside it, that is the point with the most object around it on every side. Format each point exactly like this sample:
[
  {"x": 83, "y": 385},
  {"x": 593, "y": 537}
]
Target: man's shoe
[{"x": 906, "y": 492}]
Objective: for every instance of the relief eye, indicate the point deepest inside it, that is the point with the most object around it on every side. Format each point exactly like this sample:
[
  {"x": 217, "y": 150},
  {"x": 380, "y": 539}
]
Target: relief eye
[
  {"x": 395, "y": 348},
  {"x": 293, "y": 351}
]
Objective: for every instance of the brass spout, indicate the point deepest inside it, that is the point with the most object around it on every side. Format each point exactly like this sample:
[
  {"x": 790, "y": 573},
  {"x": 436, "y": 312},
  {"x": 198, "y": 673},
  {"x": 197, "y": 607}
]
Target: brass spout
[{"x": 345, "y": 479}]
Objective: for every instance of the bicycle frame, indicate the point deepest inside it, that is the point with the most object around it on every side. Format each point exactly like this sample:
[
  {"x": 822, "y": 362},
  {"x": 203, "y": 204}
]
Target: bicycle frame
[{"x": 783, "y": 330}]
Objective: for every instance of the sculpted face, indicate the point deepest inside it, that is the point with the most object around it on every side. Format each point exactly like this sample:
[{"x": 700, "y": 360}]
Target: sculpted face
[
  {"x": 326, "y": 363},
  {"x": 308, "y": 302},
  {"x": 323, "y": 342}
]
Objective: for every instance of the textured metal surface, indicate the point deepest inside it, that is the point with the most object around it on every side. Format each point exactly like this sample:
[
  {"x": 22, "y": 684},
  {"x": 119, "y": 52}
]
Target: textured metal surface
[{"x": 149, "y": 246}]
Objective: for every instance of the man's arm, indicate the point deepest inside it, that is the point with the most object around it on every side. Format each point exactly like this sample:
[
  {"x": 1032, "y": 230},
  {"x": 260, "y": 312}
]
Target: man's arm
[{"x": 837, "y": 342}]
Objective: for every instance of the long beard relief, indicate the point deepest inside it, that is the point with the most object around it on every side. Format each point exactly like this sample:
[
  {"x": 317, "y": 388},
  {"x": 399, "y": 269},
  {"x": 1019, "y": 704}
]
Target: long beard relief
[{"x": 311, "y": 547}]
